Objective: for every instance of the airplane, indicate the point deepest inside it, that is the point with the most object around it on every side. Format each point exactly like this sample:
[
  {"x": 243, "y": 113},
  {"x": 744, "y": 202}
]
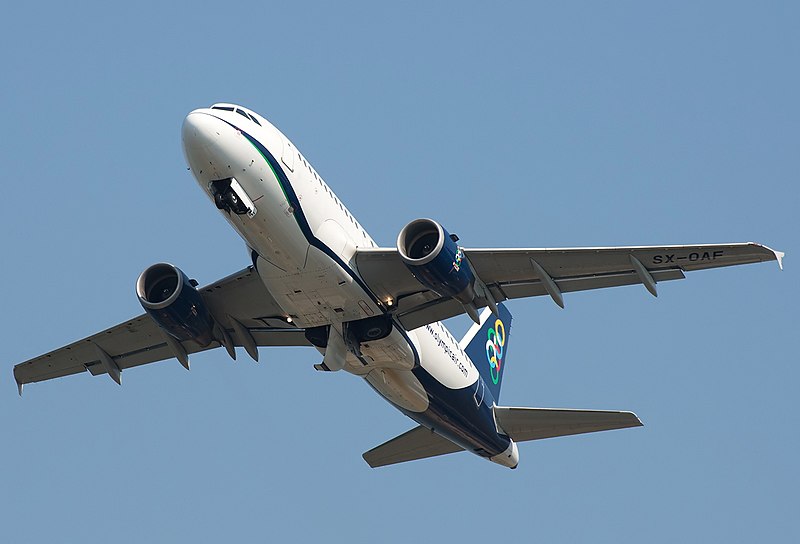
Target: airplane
[{"x": 316, "y": 278}]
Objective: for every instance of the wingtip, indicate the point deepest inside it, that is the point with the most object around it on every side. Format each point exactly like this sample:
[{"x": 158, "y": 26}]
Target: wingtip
[
  {"x": 366, "y": 458},
  {"x": 636, "y": 422},
  {"x": 19, "y": 383},
  {"x": 779, "y": 257}
]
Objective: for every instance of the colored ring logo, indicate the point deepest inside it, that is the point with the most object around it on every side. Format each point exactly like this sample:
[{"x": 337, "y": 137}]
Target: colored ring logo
[
  {"x": 496, "y": 339},
  {"x": 458, "y": 259}
]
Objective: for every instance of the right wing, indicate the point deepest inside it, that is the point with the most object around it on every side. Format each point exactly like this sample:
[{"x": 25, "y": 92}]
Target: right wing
[
  {"x": 418, "y": 443},
  {"x": 139, "y": 341},
  {"x": 520, "y": 272},
  {"x": 523, "y": 424}
]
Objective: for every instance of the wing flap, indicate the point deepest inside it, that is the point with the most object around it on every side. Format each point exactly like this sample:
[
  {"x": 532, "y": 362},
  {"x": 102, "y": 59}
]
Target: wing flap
[
  {"x": 523, "y": 424},
  {"x": 418, "y": 443}
]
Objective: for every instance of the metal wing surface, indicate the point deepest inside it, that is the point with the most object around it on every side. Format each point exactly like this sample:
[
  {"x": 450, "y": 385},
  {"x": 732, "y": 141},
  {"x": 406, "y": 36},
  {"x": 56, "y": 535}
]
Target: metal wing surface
[
  {"x": 139, "y": 340},
  {"x": 518, "y": 273},
  {"x": 523, "y": 424},
  {"x": 418, "y": 443}
]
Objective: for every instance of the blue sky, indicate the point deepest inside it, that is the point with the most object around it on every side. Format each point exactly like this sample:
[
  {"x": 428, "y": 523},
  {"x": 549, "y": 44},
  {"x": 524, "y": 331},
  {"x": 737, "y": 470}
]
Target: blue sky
[{"x": 529, "y": 124}]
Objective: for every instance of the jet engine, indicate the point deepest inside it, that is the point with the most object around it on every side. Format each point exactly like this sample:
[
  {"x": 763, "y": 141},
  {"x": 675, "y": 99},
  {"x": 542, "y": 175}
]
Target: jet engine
[
  {"x": 172, "y": 300},
  {"x": 432, "y": 255}
]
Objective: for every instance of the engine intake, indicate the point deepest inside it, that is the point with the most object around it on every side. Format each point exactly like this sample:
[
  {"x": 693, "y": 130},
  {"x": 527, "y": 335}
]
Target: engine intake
[
  {"x": 170, "y": 298},
  {"x": 433, "y": 256}
]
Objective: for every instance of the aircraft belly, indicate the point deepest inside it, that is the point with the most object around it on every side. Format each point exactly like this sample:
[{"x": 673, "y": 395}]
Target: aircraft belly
[
  {"x": 318, "y": 294},
  {"x": 463, "y": 416},
  {"x": 390, "y": 352},
  {"x": 399, "y": 387}
]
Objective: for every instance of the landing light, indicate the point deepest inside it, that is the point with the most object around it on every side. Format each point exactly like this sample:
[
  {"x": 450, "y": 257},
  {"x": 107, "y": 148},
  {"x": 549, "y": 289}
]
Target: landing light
[
  {"x": 288, "y": 319},
  {"x": 389, "y": 302}
]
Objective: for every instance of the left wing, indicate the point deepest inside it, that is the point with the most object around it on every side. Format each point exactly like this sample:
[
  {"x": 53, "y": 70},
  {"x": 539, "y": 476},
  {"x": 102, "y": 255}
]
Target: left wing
[
  {"x": 139, "y": 341},
  {"x": 517, "y": 273}
]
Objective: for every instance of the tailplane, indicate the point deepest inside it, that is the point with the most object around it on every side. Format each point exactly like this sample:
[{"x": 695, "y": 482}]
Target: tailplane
[
  {"x": 486, "y": 344},
  {"x": 418, "y": 443},
  {"x": 523, "y": 424}
]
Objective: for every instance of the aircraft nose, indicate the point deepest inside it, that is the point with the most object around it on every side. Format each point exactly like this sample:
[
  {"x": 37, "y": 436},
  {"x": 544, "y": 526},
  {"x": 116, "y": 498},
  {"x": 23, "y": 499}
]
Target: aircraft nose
[{"x": 199, "y": 130}]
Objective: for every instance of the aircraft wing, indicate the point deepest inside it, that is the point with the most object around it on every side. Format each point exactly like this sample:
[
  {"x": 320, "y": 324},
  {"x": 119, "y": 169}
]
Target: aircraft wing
[
  {"x": 418, "y": 443},
  {"x": 139, "y": 341},
  {"x": 518, "y": 273}
]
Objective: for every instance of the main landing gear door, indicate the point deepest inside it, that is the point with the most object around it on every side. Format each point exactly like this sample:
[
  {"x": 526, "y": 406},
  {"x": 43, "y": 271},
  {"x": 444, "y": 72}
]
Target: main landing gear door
[
  {"x": 231, "y": 197},
  {"x": 288, "y": 154}
]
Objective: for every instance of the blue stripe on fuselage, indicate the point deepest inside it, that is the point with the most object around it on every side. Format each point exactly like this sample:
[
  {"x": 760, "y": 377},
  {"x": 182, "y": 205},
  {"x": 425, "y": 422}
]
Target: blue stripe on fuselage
[
  {"x": 300, "y": 216},
  {"x": 453, "y": 413}
]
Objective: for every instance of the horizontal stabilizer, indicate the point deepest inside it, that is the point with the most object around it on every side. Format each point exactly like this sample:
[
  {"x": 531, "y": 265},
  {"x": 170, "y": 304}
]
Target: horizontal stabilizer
[
  {"x": 417, "y": 443},
  {"x": 522, "y": 424}
]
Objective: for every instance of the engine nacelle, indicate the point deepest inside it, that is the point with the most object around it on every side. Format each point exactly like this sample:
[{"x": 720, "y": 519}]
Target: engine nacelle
[
  {"x": 435, "y": 259},
  {"x": 170, "y": 297}
]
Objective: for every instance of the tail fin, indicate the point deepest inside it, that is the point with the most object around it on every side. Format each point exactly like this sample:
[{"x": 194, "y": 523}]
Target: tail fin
[{"x": 486, "y": 344}]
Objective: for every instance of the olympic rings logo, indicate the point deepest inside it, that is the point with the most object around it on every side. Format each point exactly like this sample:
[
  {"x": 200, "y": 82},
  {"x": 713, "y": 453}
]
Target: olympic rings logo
[
  {"x": 458, "y": 259},
  {"x": 496, "y": 339}
]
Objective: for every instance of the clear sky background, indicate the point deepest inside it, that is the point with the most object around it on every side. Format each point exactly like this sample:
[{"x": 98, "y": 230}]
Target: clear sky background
[{"x": 522, "y": 125}]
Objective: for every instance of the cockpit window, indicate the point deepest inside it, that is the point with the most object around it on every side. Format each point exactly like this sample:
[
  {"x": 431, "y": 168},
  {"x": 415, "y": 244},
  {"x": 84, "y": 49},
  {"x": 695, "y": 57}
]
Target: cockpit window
[{"x": 240, "y": 111}]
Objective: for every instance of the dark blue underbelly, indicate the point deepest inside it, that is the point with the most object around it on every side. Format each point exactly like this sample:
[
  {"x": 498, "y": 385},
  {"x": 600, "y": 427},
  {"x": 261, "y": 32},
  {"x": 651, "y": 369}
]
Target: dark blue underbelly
[{"x": 456, "y": 415}]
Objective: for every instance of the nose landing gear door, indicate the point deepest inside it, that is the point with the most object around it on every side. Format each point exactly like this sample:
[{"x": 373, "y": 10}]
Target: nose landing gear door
[{"x": 231, "y": 197}]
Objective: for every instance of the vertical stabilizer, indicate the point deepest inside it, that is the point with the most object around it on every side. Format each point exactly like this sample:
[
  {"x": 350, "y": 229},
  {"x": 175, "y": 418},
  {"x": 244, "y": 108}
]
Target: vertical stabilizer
[{"x": 486, "y": 344}]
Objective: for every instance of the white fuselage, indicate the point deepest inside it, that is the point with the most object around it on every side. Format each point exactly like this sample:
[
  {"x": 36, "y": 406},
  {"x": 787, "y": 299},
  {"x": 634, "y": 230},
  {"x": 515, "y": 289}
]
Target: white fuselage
[{"x": 304, "y": 240}]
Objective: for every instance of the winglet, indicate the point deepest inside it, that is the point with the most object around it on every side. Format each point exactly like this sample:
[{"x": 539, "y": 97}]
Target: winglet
[
  {"x": 779, "y": 257},
  {"x": 19, "y": 387}
]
